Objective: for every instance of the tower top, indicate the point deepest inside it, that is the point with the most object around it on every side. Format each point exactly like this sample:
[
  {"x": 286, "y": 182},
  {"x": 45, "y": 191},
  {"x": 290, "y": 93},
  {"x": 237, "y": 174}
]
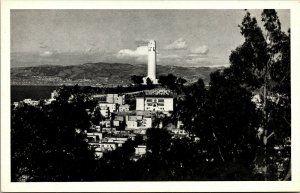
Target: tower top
[{"x": 151, "y": 45}]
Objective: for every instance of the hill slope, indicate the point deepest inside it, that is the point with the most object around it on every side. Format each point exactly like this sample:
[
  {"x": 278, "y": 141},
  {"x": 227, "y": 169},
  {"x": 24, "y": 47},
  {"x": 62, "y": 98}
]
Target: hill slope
[{"x": 98, "y": 74}]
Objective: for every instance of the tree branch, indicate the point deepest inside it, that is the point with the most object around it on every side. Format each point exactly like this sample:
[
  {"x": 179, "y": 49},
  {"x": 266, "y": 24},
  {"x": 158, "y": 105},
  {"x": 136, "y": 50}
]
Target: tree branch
[
  {"x": 219, "y": 149},
  {"x": 288, "y": 175}
]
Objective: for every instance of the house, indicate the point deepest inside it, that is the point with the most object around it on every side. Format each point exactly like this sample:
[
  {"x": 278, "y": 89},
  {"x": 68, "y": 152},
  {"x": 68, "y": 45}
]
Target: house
[
  {"x": 111, "y": 106},
  {"x": 31, "y": 102},
  {"x": 154, "y": 103},
  {"x": 115, "y": 98},
  {"x": 140, "y": 150},
  {"x": 94, "y": 136},
  {"x": 138, "y": 122},
  {"x": 124, "y": 108}
]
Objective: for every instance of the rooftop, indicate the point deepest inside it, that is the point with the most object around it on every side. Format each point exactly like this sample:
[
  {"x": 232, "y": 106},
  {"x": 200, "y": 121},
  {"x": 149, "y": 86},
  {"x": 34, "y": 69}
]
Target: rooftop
[{"x": 155, "y": 96}]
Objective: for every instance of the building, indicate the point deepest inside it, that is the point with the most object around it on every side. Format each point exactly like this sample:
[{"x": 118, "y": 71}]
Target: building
[
  {"x": 107, "y": 108},
  {"x": 99, "y": 97},
  {"x": 54, "y": 94},
  {"x": 115, "y": 98},
  {"x": 105, "y": 112},
  {"x": 105, "y": 123},
  {"x": 31, "y": 102},
  {"x": 154, "y": 103},
  {"x": 94, "y": 136},
  {"x": 124, "y": 108},
  {"x": 151, "y": 73},
  {"x": 112, "y": 106},
  {"x": 140, "y": 150},
  {"x": 138, "y": 122},
  {"x": 16, "y": 104}
]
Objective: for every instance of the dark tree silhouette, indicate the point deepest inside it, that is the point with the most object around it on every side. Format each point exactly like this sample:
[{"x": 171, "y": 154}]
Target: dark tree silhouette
[
  {"x": 48, "y": 142},
  {"x": 137, "y": 79},
  {"x": 149, "y": 82},
  {"x": 262, "y": 64}
]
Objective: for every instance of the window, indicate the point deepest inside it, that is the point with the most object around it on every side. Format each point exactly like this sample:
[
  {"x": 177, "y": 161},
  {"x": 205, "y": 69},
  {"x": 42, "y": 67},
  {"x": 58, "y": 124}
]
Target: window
[
  {"x": 149, "y": 100},
  {"x": 160, "y": 100}
]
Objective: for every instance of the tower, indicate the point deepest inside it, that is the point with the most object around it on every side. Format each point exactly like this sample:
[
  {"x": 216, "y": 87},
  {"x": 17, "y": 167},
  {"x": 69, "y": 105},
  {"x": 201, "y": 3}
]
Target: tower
[{"x": 151, "y": 73}]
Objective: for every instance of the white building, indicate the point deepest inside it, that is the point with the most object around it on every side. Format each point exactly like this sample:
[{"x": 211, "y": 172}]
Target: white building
[
  {"x": 107, "y": 108},
  {"x": 94, "y": 136},
  {"x": 115, "y": 98},
  {"x": 112, "y": 106},
  {"x": 16, "y": 104},
  {"x": 104, "y": 111},
  {"x": 31, "y": 102},
  {"x": 124, "y": 108},
  {"x": 54, "y": 94},
  {"x": 105, "y": 123},
  {"x": 154, "y": 103},
  {"x": 151, "y": 63},
  {"x": 140, "y": 150},
  {"x": 138, "y": 122}
]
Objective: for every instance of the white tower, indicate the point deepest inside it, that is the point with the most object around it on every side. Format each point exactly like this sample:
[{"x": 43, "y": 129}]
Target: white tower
[{"x": 151, "y": 63}]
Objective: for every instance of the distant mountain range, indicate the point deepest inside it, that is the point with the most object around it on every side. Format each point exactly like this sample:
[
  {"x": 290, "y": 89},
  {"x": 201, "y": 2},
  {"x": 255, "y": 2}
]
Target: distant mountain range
[{"x": 99, "y": 74}]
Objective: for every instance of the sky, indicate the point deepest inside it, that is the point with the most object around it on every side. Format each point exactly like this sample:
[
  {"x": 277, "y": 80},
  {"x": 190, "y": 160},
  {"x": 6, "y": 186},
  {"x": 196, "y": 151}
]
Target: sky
[{"x": 184, "y": 37}]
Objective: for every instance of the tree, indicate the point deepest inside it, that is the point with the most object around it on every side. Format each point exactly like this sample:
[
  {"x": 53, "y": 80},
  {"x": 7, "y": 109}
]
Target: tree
[
  {"x": 180, "y": 81},
  {"x": 48, "y": 142},
  {"x": 149, "y": 82},
  {"x": 168, "y": 81},
  {"x": 231, "y": 119},
  {"x": 189, "y": 108},
  {"x": 97, "y": 117},
  {"x": 262, "y": 64},
  {"x": 137, "y": 79}
]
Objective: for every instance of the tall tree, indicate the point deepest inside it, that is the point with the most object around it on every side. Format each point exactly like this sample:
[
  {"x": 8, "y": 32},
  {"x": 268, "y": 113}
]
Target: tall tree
[
  {"x": 149, "y": 82},
  {"x": 262, "y": 64},
  {"x": 137, "y": 79},
  {"x": 48, "y": 142}
]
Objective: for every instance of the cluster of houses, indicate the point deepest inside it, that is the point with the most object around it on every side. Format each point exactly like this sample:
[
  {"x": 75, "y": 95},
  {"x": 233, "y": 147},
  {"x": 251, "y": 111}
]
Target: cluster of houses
[
  {"x": 119, "y": 122},
  {"x": 32, "y": 102}
]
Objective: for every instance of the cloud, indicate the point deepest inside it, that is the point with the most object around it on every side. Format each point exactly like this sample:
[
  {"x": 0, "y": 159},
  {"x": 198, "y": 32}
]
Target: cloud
[
  {"x": 173, "y": 56},
  {"x": 206, "y": 62},
  {"x": 179, "y": 44},
  {"x": 141, "y": 42},
  {"x": 43, "y": 46},
  {"x": 194, "y": 55},
  {"x": 139, "y": 51},
  {"x": 139, "y": 54},
  {"x": 92, "y": 44},
  {"x": 46, "y": 53},
  {"x": 196, "y": 60},
  {"x": 200, "y": 50},
  {"x": 91, "y": 50}
]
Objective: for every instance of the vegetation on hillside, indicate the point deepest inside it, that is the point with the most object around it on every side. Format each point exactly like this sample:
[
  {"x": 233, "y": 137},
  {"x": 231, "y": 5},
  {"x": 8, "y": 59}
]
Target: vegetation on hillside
[{"x": 103, "y": 73}]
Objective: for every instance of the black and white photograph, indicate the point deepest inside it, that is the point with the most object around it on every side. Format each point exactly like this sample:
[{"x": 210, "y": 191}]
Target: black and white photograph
[{"x": 149, "y": 95}]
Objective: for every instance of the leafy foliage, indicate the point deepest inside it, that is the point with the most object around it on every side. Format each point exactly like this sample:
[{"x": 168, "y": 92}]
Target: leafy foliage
[
  {"x": 149, "y": 82},
  {"x": 172, "y": 82},
  {"x": 48, "y": 141},
  {"x": 262, "y": 64},
  {"x": 137, "y": 79}
]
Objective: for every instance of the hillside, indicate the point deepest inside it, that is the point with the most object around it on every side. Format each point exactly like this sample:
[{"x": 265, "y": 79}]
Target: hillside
[{"x": 98, "y": 74}]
